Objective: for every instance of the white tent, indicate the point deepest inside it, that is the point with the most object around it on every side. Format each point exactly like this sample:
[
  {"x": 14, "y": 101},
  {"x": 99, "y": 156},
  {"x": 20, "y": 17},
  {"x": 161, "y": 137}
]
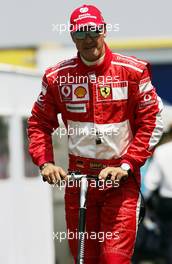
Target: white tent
[{"x": 26, "y": 222}]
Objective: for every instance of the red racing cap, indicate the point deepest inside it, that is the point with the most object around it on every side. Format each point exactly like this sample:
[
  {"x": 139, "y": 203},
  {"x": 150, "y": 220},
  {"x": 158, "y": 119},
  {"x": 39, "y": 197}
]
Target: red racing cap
[{"x": 86, "y": 15}]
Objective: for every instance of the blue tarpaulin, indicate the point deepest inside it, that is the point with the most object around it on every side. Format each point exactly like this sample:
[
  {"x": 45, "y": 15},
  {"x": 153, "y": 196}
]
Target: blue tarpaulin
[{"x": 162, "y": 80}]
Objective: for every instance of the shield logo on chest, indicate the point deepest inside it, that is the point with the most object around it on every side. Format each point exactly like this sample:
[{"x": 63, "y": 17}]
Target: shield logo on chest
[{"x": 105, "y": 91}]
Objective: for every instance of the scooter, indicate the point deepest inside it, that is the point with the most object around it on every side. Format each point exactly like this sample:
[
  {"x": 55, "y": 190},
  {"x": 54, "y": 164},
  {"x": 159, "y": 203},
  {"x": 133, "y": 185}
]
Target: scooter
[{"x": 82, "y": 210}]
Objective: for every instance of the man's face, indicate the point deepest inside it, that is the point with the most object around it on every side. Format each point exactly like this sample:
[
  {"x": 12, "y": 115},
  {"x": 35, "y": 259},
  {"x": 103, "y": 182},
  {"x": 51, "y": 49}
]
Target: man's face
[{"x": 91, "y": 47}]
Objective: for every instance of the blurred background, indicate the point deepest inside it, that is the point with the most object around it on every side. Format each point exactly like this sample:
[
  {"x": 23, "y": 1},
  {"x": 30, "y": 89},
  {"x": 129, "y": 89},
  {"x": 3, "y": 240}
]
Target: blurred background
[{"x": 35, "y": 35}]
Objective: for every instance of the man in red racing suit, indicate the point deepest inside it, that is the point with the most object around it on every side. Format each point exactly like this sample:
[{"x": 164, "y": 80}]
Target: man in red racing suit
[{"x": 114, "y": 114}]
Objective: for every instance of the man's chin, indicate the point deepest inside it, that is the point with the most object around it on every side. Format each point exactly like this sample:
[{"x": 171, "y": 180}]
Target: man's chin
[{"x": 91, "y": 54}]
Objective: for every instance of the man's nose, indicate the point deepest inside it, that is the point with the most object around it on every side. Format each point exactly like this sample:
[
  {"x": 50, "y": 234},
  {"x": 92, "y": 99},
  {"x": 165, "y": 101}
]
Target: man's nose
[{"x": 88, "y": 39}]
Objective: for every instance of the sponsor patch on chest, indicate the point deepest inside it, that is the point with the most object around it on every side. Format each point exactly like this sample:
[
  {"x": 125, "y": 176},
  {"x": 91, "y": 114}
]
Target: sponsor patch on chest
[
  {"x": 112, "y": 92},
  {"x": 74, "y": 92},
  {"x": 76, "y": 108}
]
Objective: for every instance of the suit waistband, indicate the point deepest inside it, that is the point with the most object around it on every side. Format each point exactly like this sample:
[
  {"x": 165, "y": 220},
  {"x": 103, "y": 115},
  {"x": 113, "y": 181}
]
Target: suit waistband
[{"x": 91, "y": 166}]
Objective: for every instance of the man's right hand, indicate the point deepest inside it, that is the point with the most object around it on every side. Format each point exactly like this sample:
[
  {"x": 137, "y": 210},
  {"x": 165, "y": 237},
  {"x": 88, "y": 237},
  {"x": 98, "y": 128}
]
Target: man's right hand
[{"x": 53, "y": 174}]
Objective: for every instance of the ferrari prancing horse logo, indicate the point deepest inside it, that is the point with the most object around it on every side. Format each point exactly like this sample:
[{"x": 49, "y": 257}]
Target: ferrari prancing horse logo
[{"x": 105, "y": 91}]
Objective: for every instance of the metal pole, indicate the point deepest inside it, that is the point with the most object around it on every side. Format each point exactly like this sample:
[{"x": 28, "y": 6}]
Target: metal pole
[{"x": 82, "y": 219}]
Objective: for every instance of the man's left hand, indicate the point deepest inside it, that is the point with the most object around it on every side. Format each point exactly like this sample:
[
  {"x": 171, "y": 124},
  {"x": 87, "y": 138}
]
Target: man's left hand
[{"x": 116, "y": 173}]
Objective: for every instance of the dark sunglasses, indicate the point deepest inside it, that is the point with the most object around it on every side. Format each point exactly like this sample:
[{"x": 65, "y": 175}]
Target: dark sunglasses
[{"x": 82, "y": 34}]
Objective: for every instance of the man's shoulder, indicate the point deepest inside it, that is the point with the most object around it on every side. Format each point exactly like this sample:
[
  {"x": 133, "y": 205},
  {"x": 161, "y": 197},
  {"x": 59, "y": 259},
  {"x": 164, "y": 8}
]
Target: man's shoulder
[
  {"x": 62, "y": 65},
  {"x": 130, "y": 62}
]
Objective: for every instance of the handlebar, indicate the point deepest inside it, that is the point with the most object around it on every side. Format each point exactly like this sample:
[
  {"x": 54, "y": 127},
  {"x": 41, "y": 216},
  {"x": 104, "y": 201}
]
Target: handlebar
[{"x": 77, "y": 176}]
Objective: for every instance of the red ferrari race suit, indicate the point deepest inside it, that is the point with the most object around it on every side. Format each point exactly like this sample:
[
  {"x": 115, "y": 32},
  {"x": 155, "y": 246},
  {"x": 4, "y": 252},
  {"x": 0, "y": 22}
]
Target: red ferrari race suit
[{"x": 113, "y": 116}]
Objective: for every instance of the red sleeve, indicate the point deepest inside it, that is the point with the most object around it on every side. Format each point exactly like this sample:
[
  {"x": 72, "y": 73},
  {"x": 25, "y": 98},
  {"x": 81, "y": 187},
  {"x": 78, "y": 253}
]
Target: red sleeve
[
  {"x": 41, "y": 124},
  {"x": 148, "y": 123}
]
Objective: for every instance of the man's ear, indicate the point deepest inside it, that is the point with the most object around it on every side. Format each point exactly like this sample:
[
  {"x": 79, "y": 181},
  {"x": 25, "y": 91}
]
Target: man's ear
[{"x": 73, "y": 38}]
